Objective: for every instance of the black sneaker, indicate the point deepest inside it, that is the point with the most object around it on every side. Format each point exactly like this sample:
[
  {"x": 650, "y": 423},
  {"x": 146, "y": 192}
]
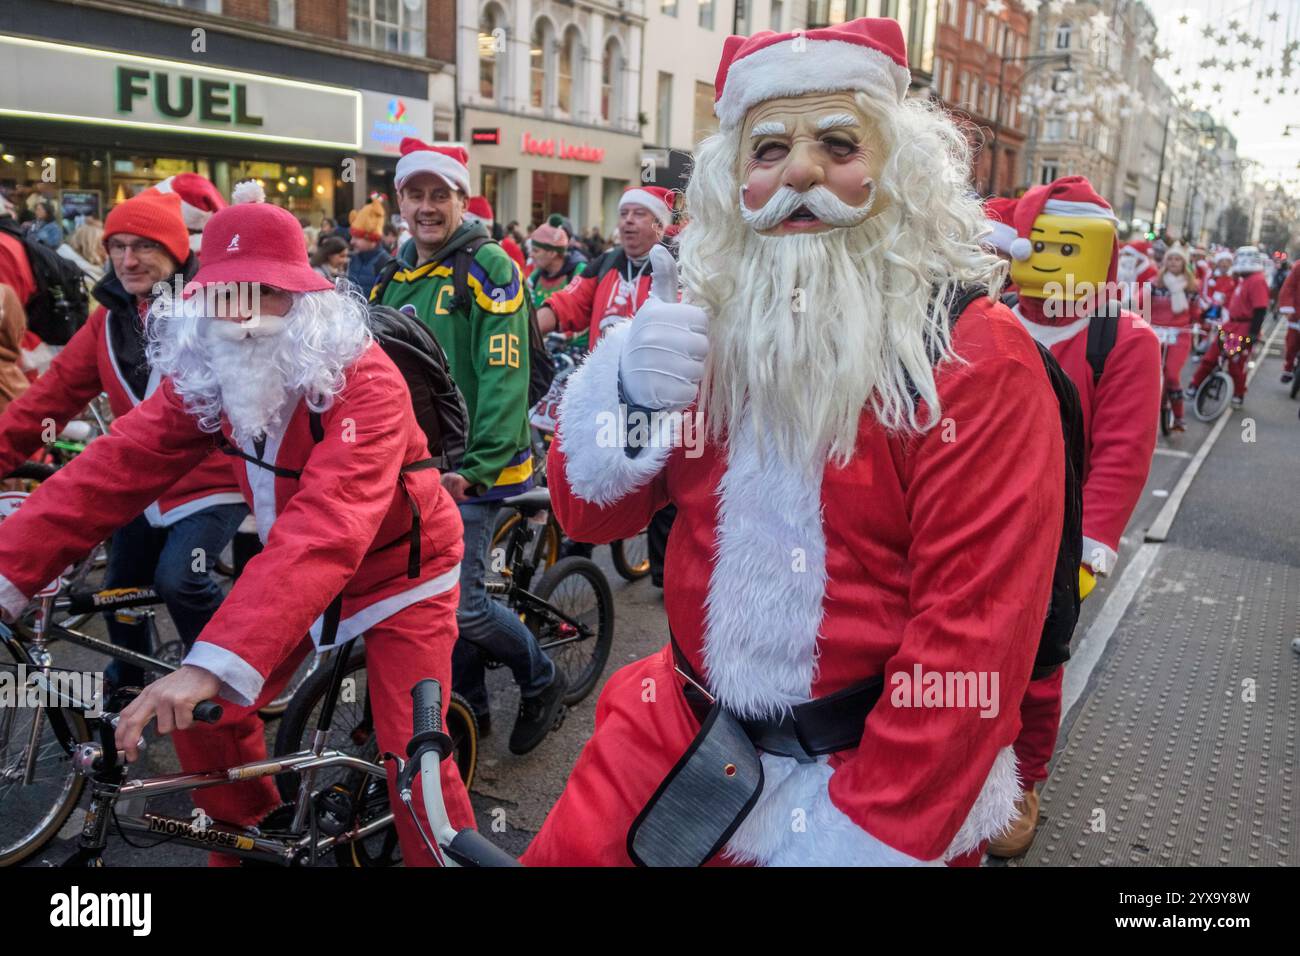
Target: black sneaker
[
  {"x": 484, "y": 721},
  {"x": 1286, "y": 378},
  {"x": 539, "y": 715},
  {"x": 1238, "y": 401}
]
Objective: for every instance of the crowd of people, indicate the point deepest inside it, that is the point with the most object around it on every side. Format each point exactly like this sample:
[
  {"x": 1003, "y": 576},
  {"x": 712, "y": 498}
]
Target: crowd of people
[{"x": 821, "y": 545}]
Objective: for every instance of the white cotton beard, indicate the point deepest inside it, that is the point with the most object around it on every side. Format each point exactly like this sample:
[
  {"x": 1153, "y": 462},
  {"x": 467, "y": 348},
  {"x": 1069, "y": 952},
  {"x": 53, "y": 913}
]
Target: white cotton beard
[{"x": 254, "y": 373}]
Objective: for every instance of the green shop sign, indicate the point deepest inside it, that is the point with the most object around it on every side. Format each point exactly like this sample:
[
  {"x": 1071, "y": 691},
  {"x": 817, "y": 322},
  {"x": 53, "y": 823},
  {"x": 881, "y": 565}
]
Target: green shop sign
[{"x": 178, "y": 96}]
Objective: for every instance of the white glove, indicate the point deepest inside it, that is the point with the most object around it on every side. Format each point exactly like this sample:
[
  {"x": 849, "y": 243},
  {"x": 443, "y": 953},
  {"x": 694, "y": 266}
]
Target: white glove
[{"x": 663, "y": 359}]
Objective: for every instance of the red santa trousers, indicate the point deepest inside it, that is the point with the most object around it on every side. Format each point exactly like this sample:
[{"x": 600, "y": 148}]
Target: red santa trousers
[
  {"x": 1040, "y": 719},
  {"x": 1236, "y": 364},
  {"x": 643, "y": 726},
  {"x": 413, "y": 644},
  {"x": 1175, "y": 358},
  {"x": 1292, "y": 348}
]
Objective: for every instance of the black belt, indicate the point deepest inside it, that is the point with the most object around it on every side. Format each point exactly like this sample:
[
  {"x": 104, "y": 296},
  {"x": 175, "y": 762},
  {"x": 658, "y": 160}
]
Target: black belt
[{"x": 808, "y": 730}]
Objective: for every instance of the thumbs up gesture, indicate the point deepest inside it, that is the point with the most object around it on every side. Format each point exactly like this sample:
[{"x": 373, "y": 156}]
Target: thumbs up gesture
[{"x": 663, "y": 359}]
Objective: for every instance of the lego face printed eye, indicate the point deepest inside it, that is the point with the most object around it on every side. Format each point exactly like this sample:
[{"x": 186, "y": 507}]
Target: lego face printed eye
[
  {"x": 1067, "y": 250},
  {"x": 1039, "y": 246}
]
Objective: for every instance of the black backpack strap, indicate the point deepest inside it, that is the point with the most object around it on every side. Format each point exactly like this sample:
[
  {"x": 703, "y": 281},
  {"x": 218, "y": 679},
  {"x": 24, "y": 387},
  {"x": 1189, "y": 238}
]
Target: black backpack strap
[
  {"x": 461, "y": 260},
  {"x": 385, "y": 276},
  {"x": 960, "y": 300},
  {"x": 1102, "y": 330},
  {"x": 228, "y": 449},
  {"x": 317, "y": 426},
  {"x": 329, "y": 629},
  {"x": 608, "y": 261}
]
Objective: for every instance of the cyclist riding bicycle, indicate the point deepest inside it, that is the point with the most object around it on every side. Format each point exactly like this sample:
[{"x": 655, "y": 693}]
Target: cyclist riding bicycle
[
  {"x": 1171, "y": 297},
  {"x": 176, "y": 541},
  {"x": 486, "y": 337},
  {"x": 1244, "y": 318},
  {"x": 359, "y": 534}
]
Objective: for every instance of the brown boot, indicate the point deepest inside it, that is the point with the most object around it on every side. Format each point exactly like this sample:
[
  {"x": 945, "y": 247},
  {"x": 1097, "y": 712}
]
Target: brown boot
[{"x": 1020, "y": 834}]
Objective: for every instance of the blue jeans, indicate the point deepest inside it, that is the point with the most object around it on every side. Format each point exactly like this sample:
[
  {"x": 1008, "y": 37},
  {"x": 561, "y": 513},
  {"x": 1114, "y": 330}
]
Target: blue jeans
[
  {"x": 141, "y": 555},
  {"x": 488, "y": 629}
]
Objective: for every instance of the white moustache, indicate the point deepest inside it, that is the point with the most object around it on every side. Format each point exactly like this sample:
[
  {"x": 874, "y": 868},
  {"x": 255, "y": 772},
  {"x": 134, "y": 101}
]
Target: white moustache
[
  {"x": 818, "y": 200},
  {"x": 259, "y": 326}
]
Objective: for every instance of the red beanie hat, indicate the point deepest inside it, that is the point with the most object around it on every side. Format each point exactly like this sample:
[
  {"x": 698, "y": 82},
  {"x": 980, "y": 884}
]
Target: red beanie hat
[{"x": 155, "y": 216}]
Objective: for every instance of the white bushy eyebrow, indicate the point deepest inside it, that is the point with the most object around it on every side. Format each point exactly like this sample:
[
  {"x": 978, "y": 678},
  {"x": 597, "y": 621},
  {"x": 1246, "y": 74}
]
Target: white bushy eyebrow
[
  {"x": 835, "y": 121},
  {"x": 767, "y": 128}
]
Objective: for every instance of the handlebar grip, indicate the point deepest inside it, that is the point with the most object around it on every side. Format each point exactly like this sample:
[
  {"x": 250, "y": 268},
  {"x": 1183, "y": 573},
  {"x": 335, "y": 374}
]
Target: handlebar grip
[
  {"x": 427, "y": 697},
  {"x": 471, "y": 848},
  {"x": 207, "y": 711}
]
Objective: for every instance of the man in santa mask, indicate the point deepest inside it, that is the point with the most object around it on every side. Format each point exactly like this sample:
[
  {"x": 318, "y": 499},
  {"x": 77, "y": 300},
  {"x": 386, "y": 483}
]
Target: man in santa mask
[
  {"x": 870, "y": 507},
  {"x": 267, "y": 361}
]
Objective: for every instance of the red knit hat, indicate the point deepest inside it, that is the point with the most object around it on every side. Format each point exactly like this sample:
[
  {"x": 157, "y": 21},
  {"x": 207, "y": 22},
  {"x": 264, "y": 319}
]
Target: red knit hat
[
  {"x": 258, "y": 242},
  {"x": 999, "y": 213},
  {"x": 155, "y": 216},
  {"x": 657, "y": 199},
  {"x": 867, "y": 54}
]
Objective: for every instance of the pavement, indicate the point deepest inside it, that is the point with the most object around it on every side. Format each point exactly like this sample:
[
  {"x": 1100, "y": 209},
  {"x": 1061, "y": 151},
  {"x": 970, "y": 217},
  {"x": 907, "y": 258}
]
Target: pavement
[{"x": 1181, "y": 746}]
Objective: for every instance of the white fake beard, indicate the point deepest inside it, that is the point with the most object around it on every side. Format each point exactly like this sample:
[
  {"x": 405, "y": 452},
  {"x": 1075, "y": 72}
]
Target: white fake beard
[
  {"x": 799, "y": 345},
  {"x": 254, "y": 385},
  {"x": 1126, "y": 269},
  {"x": 254, "y": 373}
]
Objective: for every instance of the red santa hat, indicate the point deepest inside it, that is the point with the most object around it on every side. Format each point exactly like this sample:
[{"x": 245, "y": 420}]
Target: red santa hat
[
  {"x": 480, "y": 208},
  {"x": 255, "y": 241},
  {"x": 655, "y": 198},
  {"x": 867, "y": 55},
  {"x": 199, "y": 198},
  {"x": 448, "y": 163},
  {"x": 999, "y": 212},
  {"x": 1067, "y": 196}
]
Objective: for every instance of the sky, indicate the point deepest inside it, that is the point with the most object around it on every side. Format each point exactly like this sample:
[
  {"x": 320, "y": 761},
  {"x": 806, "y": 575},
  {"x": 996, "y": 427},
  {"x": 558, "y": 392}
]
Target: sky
[{"x": 1257, "y": 125}]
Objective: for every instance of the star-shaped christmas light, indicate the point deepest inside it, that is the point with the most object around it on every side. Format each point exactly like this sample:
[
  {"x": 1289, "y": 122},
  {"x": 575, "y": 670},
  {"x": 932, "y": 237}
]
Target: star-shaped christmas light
[
  {"x": 1217, "y": 88},
  {"x": 1207, "y": 31},
  {"x": 994, "y": 7},
  {"x": 1182, "y": 21},
  {"x": 1272, "y": 17}
]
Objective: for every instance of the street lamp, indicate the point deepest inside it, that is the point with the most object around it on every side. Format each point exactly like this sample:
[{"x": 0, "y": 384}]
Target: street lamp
[{"x": 1042, "y": 59}]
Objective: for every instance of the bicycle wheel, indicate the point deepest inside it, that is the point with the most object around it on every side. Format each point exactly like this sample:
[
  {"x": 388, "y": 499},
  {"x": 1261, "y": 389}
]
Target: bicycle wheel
[
  {"x": 1295, "y": 384},
  {"x": 506, "y": 521},
  {"x": 631, "y": 557},
  {"x": 32, "y": 814},
  {"x": 576, "y": 587},
  {"x": 352, "y": 732},
  {"x": 1166, "y": 416},
  {"x": 1213, "y": 396}
]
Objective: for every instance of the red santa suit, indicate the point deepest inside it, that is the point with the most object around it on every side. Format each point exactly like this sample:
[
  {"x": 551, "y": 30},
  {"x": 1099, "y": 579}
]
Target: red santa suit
[
  {"x": 339, "y": 528},
  {"x": 1120, "y": 417},
  {"x": 594, "y": 300},
  {"x": 785, "y": 584},
  {"x": 1217, "y": 293},
  {"x": 1288, "y": 307},
  {"x": 1236, "y": 334},
  {"x": 1137, "y": 275},
  {"x": 1170, "y": 308},
  {"x": 84, "y": 367}
]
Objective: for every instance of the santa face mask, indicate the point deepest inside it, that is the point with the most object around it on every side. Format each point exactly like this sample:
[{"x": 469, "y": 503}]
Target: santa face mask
[{"x": 810, "y": 165}]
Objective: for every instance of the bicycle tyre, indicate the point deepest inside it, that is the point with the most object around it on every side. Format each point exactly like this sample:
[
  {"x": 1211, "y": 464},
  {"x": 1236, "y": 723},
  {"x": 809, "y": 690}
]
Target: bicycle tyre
[
  {"x": 33, "y": 471},
  {"x": 582, "y": 670},
  {"x": 47, "y": 828},
  {"x": 1166, "y": 416},
  {"x": 1213, "y": 396},
  {"x": 627, "y": 569},
  {"x": 298, "y": 724},
  {"x": 1295, "y": 384}
]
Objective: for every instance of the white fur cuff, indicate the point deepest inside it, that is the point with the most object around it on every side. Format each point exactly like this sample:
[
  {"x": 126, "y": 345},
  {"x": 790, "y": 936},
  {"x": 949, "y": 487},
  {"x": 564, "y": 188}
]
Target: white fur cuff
[
  {"x": 832, "y": 839},
  {"x": 240, "y": 682},
  {"x": 592, "y": 430},
  {"x": 1098, "y": 556}
]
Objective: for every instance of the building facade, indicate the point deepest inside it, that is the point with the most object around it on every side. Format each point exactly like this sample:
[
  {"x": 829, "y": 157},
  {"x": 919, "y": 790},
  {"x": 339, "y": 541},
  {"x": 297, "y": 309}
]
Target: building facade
[
  {"x": 100, "y": 100},
  {"x": 549, "y": 94}
]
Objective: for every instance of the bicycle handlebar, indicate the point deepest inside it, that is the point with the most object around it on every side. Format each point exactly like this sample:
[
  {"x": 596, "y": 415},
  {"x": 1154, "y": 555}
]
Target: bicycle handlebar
[{"x": 207, "y": 711}]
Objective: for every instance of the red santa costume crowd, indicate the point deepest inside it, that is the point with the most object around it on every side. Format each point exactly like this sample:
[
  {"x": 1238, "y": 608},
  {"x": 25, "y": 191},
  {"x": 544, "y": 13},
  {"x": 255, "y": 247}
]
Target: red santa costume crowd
[{"x": 1243, "y": 318}]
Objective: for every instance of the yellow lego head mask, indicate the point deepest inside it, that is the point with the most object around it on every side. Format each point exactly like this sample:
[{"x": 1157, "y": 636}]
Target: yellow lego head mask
[{"x": 1065, "y": 246}]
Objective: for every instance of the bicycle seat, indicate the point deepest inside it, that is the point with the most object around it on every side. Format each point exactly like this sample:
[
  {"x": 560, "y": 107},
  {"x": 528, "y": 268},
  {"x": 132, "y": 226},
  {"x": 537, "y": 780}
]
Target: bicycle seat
[{"x": 530, "y": 502}]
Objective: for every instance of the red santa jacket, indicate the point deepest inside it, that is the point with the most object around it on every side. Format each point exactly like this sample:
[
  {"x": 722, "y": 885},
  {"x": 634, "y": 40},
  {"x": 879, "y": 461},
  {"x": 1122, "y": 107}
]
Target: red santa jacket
[
  {"x": 1288, "y": 297},
  {"x": 1250, "y": 293},
  {"x": 341, "y": 528},
  {"x": 592, "y": 297},
  {"x": 1120, "y": 415},
  {"x": 86, "y": 366},
  {"x": 928, "y": 553},
  {"x": 1161, "y": 307},
  {"x": 1218, "y": 290}
]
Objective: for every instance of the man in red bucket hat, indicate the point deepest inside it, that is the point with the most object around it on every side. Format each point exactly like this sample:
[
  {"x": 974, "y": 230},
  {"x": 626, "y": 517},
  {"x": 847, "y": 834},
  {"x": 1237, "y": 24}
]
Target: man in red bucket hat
[{"x": 266, "y": 360}]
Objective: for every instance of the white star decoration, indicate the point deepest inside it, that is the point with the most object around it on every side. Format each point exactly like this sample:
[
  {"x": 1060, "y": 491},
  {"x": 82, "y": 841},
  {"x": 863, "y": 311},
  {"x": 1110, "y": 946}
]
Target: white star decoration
[{"x": 994, "y": 7}]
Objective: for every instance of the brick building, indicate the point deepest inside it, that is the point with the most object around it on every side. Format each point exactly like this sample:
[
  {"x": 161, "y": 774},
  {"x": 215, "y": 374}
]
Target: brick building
[
  {"x": 978, "y": 66},
  {"x": 99, "y": 99}
]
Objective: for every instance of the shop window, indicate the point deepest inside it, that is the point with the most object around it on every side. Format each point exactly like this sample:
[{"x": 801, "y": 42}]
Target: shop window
[
  {"x": 568, "y": 79},
  {"x": 541, "y": 54},
  {"x": 664, "y": 110},
  {"x": 705, "y": 122},
  {"x": 611, "y": 82},
  {"x": 552, "y": 193},
  {"x": 491, "y": 53},
  {"x": 395, "y": 26}
]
